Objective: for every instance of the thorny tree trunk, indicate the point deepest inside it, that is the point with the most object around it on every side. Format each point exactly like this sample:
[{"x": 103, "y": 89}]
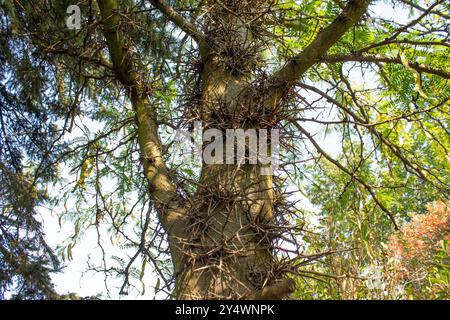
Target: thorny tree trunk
[
  {"x": 220, "y": 240},
  {"x": 229, "y": 253},
  {"x": 234, "y": 200}
]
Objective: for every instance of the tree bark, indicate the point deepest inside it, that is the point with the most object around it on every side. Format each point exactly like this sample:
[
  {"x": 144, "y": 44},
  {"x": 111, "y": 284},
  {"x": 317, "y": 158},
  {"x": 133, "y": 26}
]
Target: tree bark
[
  {"x": 229, "y": 256},
  {"x": 221, "y": 244}
]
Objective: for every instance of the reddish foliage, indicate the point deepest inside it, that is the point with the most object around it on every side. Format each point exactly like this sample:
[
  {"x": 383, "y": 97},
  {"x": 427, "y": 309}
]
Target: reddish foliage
[{"x": 414, "y": 247}]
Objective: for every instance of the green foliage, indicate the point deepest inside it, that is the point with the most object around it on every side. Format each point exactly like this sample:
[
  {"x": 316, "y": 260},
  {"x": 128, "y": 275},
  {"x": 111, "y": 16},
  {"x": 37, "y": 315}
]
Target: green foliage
[{"x": 439, "y": 274}]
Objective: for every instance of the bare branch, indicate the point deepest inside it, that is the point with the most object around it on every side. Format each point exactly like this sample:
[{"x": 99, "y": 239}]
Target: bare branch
[
  {"x": 443, "y": 43},
  {"x": 181, "y": 22},
  {"x": 418, "y": 7},
  {"x": 413, "y": 22},
  {"x": 372, "y": 129},
  {"x": 385, "y": 59},
  {"x": 347, "y": 171}
]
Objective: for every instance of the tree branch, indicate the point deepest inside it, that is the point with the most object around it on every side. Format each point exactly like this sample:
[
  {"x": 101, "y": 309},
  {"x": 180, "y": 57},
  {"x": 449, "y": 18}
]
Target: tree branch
[
  {"x": 443, "y": 43},
  {"x": 182, "y": 23},
  {"x": 347, "y": 171},
  {"x": 372, "y": 129},
  {"x": 162, "y": 190},
  {"x": 385, "y": 59},
  {"x": 416, "y": 6},
  {"x": 402, "y": 29},
  {"x": 325, "y": 39}
]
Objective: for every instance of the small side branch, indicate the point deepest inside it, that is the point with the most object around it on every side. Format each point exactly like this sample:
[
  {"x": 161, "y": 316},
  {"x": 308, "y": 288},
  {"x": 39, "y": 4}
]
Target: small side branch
[
  {"x": 378, "y": 58},
  {"x": 181, "y": 22},
  {"x": 347, "y": 171}
]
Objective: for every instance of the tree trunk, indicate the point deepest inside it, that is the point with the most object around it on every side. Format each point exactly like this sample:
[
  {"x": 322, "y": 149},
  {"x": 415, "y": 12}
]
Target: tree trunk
[{"x": 228, "y": 250}]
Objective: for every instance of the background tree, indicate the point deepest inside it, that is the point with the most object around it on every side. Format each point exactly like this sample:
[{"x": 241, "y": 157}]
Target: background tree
[
  {"x": 26, "y": 138},
  {"x": 107, "y": 97}
]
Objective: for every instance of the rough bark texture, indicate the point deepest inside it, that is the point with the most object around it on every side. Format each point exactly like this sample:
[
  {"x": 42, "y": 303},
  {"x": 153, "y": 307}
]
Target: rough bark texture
[{"x": 172, "y": 214}]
